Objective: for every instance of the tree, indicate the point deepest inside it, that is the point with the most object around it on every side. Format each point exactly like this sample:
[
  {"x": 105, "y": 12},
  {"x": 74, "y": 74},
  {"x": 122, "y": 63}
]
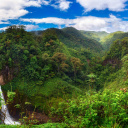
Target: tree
[
  {"x": 77, "y": 65},
  {"x": 92, "y": 78},
  {"x": 49, "y": 35},
  {"x": 125, "y": 63},
  {"x": 45, "y": 57},
  {"x": 59, "y": 59},
  {"x": 16, "y": 29}
]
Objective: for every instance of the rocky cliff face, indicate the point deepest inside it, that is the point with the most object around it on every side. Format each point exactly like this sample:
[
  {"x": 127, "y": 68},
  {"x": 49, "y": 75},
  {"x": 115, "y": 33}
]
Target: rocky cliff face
[
  {"x": 2, "y": 80},
  {"x": 7, "y": 74}
]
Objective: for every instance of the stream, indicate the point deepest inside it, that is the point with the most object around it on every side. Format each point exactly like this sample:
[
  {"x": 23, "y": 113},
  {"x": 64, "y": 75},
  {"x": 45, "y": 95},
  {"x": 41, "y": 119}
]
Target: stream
[{"x": 5, "y": 116}]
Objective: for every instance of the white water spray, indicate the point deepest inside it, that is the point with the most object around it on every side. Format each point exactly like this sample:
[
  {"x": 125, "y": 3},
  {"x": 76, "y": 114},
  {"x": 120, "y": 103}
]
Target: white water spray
[{"x": 6, "y": 117}]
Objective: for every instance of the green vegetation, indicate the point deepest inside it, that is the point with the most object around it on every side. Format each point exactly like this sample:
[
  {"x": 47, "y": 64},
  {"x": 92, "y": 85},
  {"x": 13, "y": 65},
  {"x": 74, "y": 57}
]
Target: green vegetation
[
  {"x": 73, "y": 38},
  {"x": 62, "y": 78},
  {"x": 106, "y": 109},
  {"x": 48, "y": 125},
  {"x": 95, "y": 35},
  {"x": 108, "y": 40}
]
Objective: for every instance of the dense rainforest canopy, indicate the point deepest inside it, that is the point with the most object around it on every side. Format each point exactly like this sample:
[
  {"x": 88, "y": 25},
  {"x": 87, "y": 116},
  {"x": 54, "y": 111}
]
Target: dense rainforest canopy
[{"x": 66, "y": 75}]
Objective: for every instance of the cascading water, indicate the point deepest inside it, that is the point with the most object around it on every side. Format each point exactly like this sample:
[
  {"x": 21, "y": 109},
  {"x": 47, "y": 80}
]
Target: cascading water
[{"x": 6, "y": 117}]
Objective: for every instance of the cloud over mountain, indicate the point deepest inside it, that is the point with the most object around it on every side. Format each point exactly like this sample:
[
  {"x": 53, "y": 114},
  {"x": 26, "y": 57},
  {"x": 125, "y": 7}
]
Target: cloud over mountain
[
  {"x": 88, "y": 23},
  {"x": 51, "y": 13}
]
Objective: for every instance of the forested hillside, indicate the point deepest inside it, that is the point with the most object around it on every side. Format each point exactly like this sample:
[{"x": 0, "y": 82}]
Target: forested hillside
[
  {"x": 109, "y": 39},
  {"x": 95, "y": 35},
  {"x": 73, "y": 38},
  {"x": 61, "y": 78},
  {"x": 31, "y": 64}
]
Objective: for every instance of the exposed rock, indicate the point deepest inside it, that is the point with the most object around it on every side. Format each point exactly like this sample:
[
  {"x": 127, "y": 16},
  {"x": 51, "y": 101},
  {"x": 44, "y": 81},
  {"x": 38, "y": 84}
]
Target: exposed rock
[{"x": 1, "y": 80}]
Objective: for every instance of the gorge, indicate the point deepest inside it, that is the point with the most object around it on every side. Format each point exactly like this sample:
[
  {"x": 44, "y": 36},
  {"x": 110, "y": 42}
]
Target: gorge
[{"x": 5, "y": 116}]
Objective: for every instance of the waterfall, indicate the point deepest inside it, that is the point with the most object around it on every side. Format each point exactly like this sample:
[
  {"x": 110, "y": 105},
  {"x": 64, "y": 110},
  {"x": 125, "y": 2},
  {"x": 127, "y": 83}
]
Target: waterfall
[{"x": 6, "y": 117}]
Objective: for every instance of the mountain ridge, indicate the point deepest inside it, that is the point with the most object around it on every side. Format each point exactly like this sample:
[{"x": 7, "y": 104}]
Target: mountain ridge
[{"x": 73, "y": 38}]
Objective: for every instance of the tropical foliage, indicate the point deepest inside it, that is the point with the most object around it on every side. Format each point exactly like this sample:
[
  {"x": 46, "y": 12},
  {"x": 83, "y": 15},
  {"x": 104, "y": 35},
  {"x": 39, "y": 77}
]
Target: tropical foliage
[{"x": 65, "y": 76}]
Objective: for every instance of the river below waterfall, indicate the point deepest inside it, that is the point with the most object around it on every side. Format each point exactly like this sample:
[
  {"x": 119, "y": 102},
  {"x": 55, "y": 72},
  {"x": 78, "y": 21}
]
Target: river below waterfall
[{"x": 5, "y": 116}]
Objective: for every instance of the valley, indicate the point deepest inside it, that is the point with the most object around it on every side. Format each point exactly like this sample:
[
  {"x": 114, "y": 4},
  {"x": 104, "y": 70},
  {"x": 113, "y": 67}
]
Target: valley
[{"x": 64, "y": 78}]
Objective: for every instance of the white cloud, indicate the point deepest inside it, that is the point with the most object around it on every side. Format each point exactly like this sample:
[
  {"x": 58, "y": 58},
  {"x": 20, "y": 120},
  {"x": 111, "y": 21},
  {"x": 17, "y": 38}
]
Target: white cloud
[
  {"x": 49, "y": 20},
  {"x": 3, "y": 29},
  {"x": 13, "y": 9},
  {"x": 31, "y": 27},
  {"x": 87, "y": 23},
  {"x": 4, "y": 22},
  {"x": 44, "y": 2},
  {"x": 62, "y": 4},
  {"x": 113, "y": 5}
]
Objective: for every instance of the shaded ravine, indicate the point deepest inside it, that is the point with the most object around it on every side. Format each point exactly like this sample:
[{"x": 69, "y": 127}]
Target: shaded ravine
[{"x": 5, "y": 116}]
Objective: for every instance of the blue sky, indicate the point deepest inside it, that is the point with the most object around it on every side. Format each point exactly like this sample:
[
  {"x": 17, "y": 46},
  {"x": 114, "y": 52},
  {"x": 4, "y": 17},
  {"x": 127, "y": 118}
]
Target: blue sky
[{"x": 88, "y": 15}]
